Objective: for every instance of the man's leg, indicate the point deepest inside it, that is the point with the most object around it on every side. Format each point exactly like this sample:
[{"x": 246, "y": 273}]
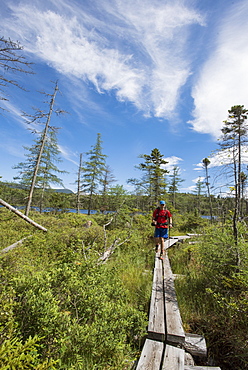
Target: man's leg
[
  {"x": 162, "y": 245},
  {"x": 157, "y": 240}
]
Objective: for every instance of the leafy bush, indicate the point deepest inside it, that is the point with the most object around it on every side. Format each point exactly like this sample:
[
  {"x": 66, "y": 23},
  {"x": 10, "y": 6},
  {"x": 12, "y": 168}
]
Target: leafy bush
[
  {"x": 213, "y": 294},
  {"x": 17, "y": 355},
  {"x": 190, "y": 223},
  {"x": 71, "y": 311}
]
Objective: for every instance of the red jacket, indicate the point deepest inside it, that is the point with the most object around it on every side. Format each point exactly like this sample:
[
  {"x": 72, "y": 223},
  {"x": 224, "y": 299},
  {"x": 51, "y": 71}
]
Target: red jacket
[{"x": 162, "y": 217}]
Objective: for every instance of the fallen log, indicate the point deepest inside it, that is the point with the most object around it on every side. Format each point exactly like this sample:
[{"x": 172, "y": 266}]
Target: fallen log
[
  {"x": 14, "y": 245},
  {"x": 20, "y": 214}
]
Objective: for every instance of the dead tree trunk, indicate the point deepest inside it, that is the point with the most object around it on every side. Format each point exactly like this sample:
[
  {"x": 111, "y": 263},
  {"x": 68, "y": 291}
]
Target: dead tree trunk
[
  {"x": 41, "y": 151},
  {"x": 22, "y": 215},
  {"x": 78, "y": 183}
]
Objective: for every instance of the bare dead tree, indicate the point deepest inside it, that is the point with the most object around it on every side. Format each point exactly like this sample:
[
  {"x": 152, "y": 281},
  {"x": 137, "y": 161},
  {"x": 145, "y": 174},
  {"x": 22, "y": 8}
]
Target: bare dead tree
[
  {"x": 206, "y": 163},
  {"x": 11, "y": 62},
  {"x": 79, "y": 182}
]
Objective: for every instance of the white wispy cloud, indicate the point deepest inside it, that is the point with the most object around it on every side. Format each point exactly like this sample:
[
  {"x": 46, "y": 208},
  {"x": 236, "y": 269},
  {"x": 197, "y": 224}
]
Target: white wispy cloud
[
  {"x": 136, "y": 49},
  {"x": 172, "y": 162},
  {"x": 223, "y": 80},
  {"x": 12, "y": 147},
  {"x": 69, "y": 155},
  {"x": 198, "y": 179},
  {"x": 224, "y": 157},
  {"x": 193, "y": 188},
  {"x": 14, "y": 111}
]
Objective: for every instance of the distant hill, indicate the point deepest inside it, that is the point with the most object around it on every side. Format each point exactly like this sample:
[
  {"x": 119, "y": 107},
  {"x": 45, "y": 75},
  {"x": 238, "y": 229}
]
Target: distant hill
[{"x": 66, "y": 191}]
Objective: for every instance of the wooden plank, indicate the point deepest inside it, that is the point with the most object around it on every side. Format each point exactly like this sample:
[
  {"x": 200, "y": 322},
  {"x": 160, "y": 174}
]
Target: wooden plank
[
  {"x": 174, "y": 328},
  {"x": 151, "y": 355},
  {"x": 156, "y": 325},
  {"x": 195, "y": 344},
  {"x": 181, "y": 237},
  {"x": 169, "y": 243},
  {"x": 173, "y": 358},
  {"x": 201, "y": 368},
  {"x": 193, "y": 234}
]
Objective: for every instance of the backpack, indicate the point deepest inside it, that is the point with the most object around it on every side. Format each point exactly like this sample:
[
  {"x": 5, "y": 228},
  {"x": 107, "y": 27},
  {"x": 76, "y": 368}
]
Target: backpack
[{"x": 157, "y": 215}]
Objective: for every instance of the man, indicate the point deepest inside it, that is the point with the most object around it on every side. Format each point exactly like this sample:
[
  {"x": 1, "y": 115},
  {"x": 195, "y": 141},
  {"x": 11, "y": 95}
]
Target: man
[{"x": 162, "y": 219}]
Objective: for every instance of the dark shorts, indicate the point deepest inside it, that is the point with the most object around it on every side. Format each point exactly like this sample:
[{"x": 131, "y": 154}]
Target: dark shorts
[{"x": 161, "y": 232}]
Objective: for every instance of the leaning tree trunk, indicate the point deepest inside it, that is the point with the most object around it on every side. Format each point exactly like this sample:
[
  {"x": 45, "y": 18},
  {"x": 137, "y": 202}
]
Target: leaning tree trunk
[
  {"x": 18, "y": 213},
  {"x": 30, "y": 196}
]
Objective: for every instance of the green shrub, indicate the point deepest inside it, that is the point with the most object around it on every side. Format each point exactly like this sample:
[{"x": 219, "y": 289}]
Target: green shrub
[{"x": 212, "y": 294}]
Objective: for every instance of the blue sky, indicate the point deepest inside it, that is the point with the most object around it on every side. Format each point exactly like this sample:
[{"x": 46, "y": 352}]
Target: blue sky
[{"x": 144, "y": 73}]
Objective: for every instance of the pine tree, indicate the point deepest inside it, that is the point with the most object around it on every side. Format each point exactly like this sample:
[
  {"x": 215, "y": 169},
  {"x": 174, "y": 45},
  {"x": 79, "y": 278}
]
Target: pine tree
[
  {"x": 39, "y": 146},
  {"x": 243, "y": 179},
  {"x": 198, "y": 191},
  {"x": 47, "y": 169},
  {"x": 93, "y": 171},
  {"x": 234, "y": 137},
  {"x": 107, "y": 180},
  {"x": 174, "y": 184},
  {"x": 155, "y": 174}
]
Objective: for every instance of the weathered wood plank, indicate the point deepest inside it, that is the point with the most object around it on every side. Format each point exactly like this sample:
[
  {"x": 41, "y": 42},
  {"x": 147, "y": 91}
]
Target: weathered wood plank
[
  {"x": 151, "y": 355},
  {"x": 201, "y": 368},
  {"x": 195, "y": 344},
  {"x": 170, "y": 242},
  {"x": 173, "y": 358},
  {"x": 174, "y": 327},
  {"x": 156, "y": 325},
  {"x": 193, "y": 234},
  {"x": 180, "y": 237}
]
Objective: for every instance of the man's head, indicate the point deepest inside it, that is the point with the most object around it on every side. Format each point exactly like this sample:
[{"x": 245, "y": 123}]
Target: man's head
[{"x": 162, "y": 203}]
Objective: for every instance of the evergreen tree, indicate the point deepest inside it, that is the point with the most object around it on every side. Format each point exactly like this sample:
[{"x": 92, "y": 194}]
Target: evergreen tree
[
  {"x": 93, "y": 171},
  {"x": 243, "y": 179},
  {"x": 107, "y": 180},
  {"x": 198, "y": 192},
  {"x": 47, "y": 169},
  {"x": 234, "y": 137},
  {"x": 155, "y": 174},
  {"x": 174, "y": 184},
  {"x": 117, "y": 195},
  {"x": 39, "y": 117}
]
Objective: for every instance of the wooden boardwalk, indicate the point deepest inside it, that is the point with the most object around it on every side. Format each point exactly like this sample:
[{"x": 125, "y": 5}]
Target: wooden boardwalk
[{"x": 166, "y": 344}]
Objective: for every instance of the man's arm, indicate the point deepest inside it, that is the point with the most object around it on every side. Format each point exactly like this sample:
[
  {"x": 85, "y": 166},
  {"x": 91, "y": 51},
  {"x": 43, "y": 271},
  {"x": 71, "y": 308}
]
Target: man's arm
[
  {"x": 170, "y": 219},
  {"x": 154, "y": 217}
]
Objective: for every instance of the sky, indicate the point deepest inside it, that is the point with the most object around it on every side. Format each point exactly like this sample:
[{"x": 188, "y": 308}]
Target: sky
[{"x": 144, "y": 74}]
